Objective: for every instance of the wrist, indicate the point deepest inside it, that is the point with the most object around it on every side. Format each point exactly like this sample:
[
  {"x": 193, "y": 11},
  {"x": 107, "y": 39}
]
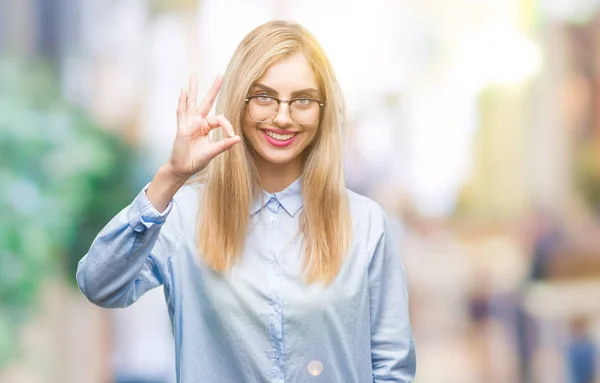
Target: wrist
[
  {"x": 166, "y": 173},
  {"x": 163, "y": 188}
]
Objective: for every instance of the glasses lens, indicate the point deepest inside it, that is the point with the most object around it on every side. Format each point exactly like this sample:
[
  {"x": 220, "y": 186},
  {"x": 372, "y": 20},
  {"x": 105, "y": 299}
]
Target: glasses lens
[
  {"x": 305, "y": 111},
  {"x": 302, "y": 111},
  {"x": 262, "y": 109}
]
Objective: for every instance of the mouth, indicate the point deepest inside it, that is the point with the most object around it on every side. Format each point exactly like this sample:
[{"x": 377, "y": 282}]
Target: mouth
[{"x": 279, "y": 139}]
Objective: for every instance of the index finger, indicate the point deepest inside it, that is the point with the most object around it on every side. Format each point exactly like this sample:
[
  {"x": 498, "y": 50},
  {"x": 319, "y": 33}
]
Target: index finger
[
  {"x": 211, "y": 96},
  {"x": 193, "y": 92}
]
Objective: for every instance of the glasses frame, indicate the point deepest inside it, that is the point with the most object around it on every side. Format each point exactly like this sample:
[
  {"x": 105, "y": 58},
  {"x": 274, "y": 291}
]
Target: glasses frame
[{"x": 279, "y": 101}]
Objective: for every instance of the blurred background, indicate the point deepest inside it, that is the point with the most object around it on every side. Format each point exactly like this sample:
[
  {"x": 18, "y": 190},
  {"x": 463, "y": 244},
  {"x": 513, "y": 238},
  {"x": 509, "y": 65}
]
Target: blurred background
[{"x": 476, "y": 125}]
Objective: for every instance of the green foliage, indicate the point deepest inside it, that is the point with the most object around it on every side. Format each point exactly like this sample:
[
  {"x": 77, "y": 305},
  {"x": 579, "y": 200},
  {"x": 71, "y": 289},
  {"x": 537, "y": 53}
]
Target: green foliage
[{"x": 62, "y": 179}]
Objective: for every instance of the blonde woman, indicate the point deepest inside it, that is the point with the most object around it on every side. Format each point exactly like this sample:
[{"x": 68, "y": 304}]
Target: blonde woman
[{"x": 272, "y": 270}]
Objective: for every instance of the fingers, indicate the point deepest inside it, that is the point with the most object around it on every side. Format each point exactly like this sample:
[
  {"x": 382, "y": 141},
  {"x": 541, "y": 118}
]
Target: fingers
[
  {"x": 193, "y": 94},
  {"x": 208, "y": 100},
  {"x": 219, "y": 147},
  {"x": 205, "y": 125},
  {"x": 221, "y": 121},
  {"x": 188, "y": 100},
  {"x": 181, "y": 105}
]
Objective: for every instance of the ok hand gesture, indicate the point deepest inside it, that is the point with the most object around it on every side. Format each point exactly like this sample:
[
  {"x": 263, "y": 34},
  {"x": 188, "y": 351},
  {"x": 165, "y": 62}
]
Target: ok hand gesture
[{"x": 192, "y": 149}]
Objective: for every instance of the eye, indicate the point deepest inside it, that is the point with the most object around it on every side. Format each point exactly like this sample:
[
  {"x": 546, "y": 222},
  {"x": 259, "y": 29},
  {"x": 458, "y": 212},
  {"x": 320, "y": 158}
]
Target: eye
[
  {"x": 303, "y": 103},
  {"x": 264, "y": 97}
]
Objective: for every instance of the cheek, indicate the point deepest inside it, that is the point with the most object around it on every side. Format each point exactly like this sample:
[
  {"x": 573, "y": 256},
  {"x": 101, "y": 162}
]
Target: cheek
[
  {"x": 248, "y": 126},
  {"x": 310, "y": 132}
]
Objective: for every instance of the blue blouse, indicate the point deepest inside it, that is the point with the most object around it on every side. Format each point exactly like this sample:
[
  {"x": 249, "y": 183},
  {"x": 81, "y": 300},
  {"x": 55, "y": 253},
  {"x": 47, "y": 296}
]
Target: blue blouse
[{"x": 261, "y": 322}]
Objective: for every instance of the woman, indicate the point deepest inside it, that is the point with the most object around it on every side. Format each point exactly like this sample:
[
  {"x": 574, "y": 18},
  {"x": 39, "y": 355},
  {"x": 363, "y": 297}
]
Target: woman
[{"x": 272, "y": 270}]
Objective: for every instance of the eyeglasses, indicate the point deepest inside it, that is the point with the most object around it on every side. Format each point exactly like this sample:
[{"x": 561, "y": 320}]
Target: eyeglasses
[{"x": 264, "y": 108}]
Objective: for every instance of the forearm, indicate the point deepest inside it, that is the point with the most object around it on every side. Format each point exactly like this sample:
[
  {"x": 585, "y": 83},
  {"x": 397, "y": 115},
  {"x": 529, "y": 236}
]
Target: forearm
[{"x": 119, "y": 259}]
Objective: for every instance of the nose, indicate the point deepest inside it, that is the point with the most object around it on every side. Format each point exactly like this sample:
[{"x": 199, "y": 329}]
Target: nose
[{"x": 283, "y": 118}]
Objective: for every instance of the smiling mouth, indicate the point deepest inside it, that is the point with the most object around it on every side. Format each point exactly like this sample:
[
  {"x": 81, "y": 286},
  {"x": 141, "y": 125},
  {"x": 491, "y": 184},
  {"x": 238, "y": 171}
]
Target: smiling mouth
[{"x": 280, "y": 137}]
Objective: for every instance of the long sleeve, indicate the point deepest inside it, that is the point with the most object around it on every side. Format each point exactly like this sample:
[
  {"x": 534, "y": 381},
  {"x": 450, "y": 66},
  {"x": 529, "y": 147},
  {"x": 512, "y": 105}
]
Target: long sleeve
[
  {"x": 129, "y": 256},
  {"x": 392, "y": 344}
]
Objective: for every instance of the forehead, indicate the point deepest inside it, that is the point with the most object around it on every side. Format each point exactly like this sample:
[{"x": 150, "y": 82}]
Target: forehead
[{"x": 289, "y": 74}]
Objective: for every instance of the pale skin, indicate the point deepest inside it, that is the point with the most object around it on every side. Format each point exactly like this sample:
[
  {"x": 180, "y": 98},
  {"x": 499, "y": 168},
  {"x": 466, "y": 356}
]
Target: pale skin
[
  {"x": 290, "y": 77},
  {"x": 192, "y": 150}
]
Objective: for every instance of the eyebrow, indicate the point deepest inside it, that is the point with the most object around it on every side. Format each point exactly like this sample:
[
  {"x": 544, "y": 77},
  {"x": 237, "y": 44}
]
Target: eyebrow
[{"x": 312, "y": 91}]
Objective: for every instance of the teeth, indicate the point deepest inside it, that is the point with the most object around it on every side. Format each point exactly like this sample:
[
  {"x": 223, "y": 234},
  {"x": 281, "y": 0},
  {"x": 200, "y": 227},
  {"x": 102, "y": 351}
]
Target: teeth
[{"x": 281, "y": 137}]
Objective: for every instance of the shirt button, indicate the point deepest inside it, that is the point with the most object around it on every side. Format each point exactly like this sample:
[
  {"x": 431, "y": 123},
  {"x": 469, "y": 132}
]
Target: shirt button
[
  {"x": 276, "y": 355},
  {"x": 315, "y": 368},
  {"x": 276, "y": 307}
]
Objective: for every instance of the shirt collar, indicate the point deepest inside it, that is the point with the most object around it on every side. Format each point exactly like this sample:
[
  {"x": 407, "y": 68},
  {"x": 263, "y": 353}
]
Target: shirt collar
[{"x": 290, "y": 198}]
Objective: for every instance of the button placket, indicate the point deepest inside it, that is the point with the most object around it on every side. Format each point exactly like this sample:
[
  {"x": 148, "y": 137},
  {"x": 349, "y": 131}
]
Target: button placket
[
  {"x": 272, "y": 221},
  {"x": 277, "y": 320},
  {"x": 273, "y": 209}
]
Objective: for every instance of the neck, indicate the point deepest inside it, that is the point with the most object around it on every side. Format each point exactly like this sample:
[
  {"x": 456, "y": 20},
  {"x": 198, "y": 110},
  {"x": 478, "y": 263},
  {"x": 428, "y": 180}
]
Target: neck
[{"x": 276, "y": 177}]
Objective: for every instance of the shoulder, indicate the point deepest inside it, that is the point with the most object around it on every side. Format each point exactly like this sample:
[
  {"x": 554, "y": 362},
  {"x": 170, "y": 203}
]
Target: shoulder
[
  {"x": 188, "y": 194},
  {"x": 185, "y": 207},
  {"x": 369, "y": 218},
  {"x": 361, "y": 205}
]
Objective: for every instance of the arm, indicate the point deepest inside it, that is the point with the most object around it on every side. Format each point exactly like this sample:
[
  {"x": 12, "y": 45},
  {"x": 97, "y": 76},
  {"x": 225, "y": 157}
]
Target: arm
[
  {"x": 129, "y": 255},
  {"x": 392, "y": 344}
]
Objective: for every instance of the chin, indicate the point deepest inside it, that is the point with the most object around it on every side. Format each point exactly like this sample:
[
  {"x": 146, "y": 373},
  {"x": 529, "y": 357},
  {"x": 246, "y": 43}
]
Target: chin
[{"x": 278, "y": 158}]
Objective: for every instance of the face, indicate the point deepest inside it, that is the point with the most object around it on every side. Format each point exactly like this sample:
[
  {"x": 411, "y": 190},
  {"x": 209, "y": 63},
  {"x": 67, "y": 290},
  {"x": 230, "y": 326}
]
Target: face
[{"x": 277, "y": 136}]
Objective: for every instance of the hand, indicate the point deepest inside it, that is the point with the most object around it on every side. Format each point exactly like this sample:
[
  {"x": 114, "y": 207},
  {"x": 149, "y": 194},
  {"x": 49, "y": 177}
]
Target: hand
[{"x": 192, "y": 149}]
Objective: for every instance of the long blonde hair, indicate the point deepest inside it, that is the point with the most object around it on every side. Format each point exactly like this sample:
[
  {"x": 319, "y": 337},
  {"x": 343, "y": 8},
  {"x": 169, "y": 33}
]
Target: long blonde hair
[{"x": 231, "y": 179}]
